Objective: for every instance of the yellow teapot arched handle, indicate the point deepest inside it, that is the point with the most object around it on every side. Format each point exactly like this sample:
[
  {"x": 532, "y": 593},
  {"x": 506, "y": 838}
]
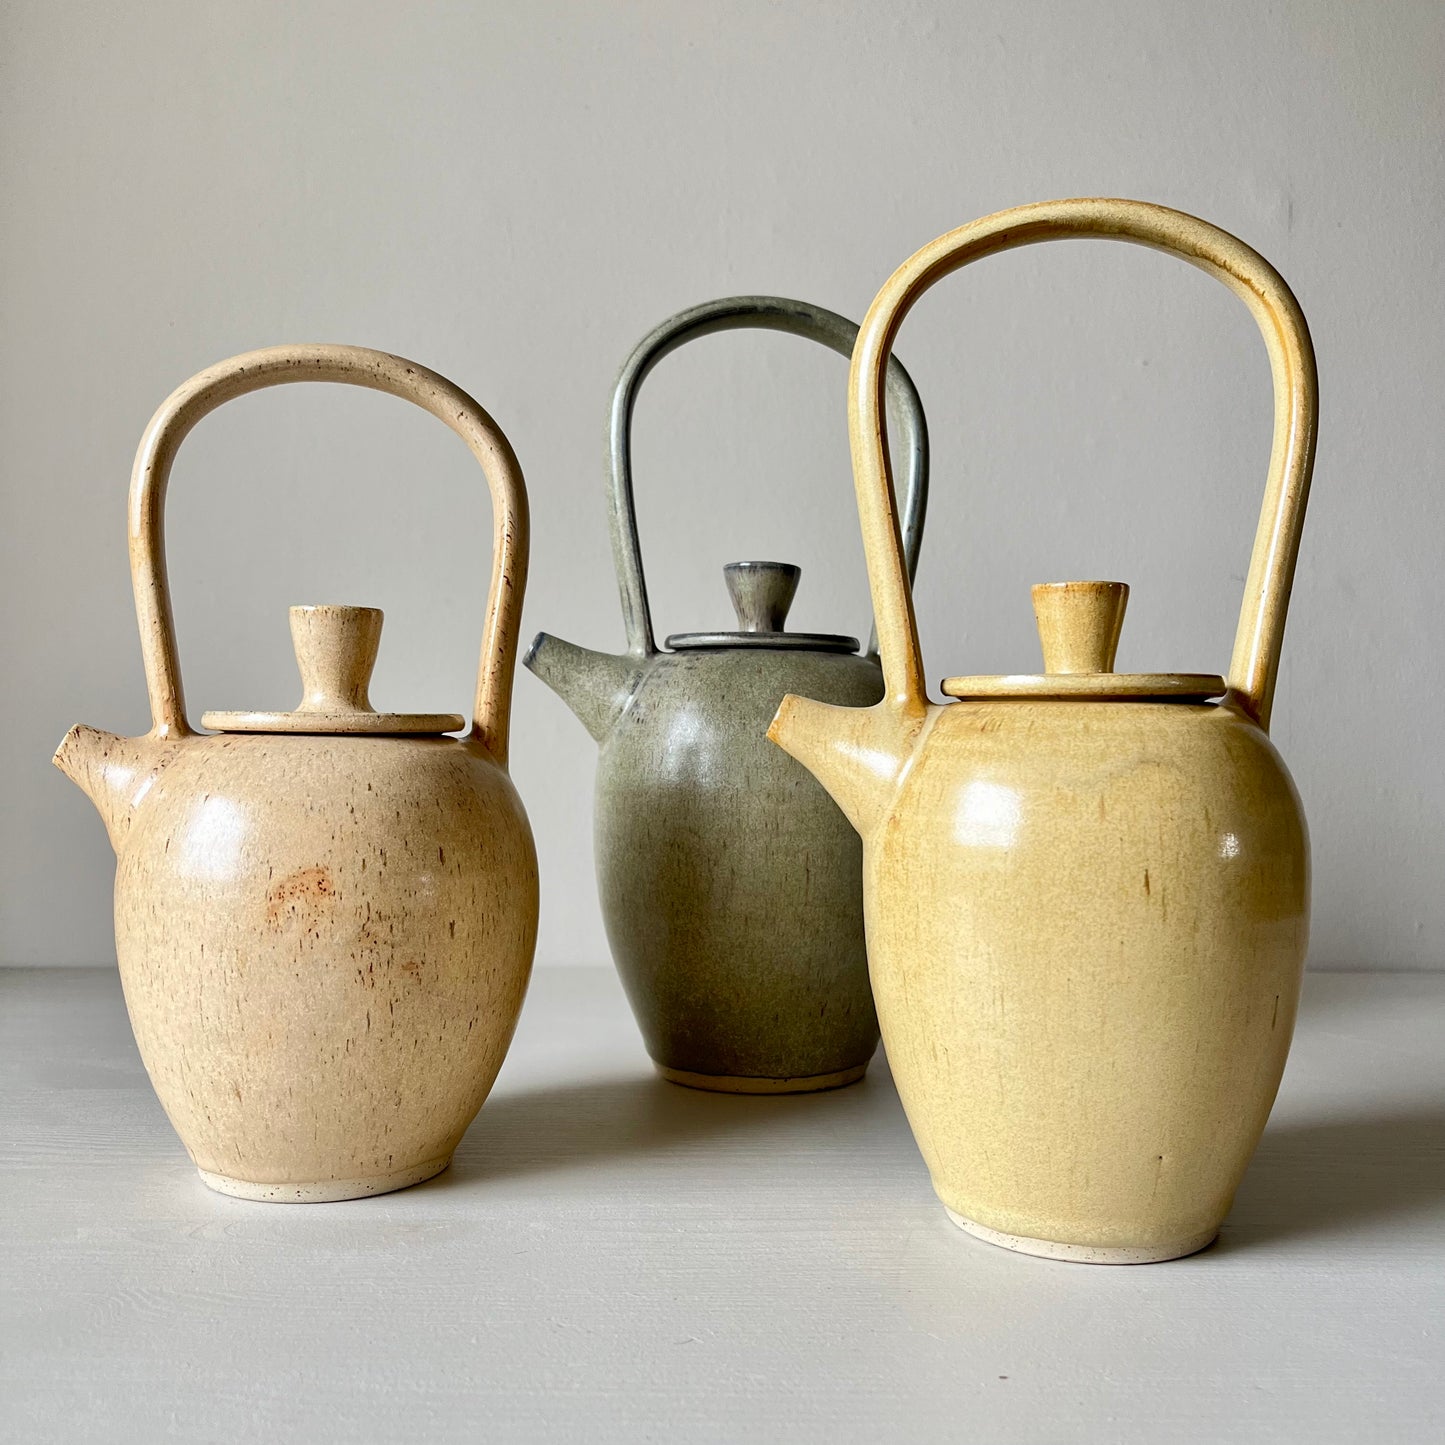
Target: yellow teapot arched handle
[
  {"x": 1255, "y": 662},
  {"x": 355, "y": 366}
]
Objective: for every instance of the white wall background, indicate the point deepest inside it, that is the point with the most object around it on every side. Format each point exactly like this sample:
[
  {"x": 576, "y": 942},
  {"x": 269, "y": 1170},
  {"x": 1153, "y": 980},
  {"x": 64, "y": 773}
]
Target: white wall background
[{"x": 514, "y": 193}]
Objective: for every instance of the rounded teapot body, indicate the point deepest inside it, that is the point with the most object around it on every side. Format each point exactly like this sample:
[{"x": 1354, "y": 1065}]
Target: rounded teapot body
[
  {"x": 731, "y": 883},
  {"x": 324, "y": 944},
  {"x": 1087, "y": 926}
]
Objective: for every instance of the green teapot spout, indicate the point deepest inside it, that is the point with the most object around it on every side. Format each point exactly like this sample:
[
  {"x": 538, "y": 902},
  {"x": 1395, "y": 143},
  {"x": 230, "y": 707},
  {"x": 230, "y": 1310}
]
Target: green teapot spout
[
  {"x": 595, "y": 685},
  {"x": 115, "y": 773},
  {"x": 857, "y": 753}
]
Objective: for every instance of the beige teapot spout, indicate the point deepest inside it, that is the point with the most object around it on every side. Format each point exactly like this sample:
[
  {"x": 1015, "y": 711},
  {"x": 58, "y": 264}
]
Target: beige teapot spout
[
  {"x": 115, "y": 773},
  {"x": 856, "y": 753}
]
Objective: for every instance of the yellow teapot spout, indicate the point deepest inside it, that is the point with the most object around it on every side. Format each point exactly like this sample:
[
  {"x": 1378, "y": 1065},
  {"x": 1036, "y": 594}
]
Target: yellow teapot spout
[
  {"x": 856, "y": 753},
  {"x": 115, "y": 773}
]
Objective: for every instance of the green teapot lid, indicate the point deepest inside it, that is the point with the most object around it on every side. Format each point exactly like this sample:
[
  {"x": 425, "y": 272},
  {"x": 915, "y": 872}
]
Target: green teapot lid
[{"x": 762, "y": 592}]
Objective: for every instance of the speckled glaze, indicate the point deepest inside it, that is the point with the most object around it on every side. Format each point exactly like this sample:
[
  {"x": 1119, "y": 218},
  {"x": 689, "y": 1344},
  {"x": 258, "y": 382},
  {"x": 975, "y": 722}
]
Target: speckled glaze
[
  {"x": 1087, "y": 892},
  {"x": 324, "y": 933},
  {"x": 729, "y": 880}
]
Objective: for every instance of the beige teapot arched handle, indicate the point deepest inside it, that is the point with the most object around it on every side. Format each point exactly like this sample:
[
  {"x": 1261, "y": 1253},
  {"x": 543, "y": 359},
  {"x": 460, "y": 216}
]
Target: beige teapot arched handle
[
  {"x": 1255, "y": 662},
  {"x": 355, "y": 366}
]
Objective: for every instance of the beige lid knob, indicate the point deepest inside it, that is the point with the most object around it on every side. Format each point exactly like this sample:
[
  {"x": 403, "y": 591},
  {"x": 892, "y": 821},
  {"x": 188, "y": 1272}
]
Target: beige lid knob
[{"x": 335, "y": 652}]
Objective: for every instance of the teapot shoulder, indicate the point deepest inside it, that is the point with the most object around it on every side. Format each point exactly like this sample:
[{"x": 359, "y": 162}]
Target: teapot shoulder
[
  {"x": 1053, "y": 755},
  {"x": 303, "y": 782},
  {"x": 729, "y": 677},
  {"x": 701, "y": 719}
]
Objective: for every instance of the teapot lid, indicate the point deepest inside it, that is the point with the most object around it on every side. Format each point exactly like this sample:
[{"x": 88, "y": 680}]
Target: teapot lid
[
  {"x": 335, "y": 652},
  {"x": 1079, "y": 625},
  {"x": 762, "y": 592}
]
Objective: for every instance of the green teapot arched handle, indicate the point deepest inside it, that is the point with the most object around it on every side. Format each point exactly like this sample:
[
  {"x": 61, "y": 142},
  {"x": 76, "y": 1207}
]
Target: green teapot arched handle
[
  {"x": 769, "y": 313},
  {"x": 1255, "y": 661},
  {"x": 356, "y": 366}
]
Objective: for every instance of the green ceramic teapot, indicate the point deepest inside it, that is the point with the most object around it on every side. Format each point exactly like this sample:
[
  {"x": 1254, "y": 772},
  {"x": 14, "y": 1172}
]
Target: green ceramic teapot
[{"x": 730, "y": 881}]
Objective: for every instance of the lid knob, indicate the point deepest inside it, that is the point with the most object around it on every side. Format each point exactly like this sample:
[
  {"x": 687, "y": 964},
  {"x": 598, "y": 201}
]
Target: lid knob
[
  {"x": 1079, "y": 624},
  {"x": 762, "y": 592},
  {"x": 335, "y": 652}
]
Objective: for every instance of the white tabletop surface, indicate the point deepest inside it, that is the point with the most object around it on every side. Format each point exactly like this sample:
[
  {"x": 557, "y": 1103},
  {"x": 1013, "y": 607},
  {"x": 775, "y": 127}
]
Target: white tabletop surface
[{"x": 613, "y": 1258}]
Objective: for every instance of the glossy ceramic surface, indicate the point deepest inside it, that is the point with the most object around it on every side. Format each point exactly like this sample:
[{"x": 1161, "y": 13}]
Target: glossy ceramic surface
[
  {"x": 1087, "y": 914},
  {"x": 324, "y": 934},
  {"x": 730, "y": 882}
]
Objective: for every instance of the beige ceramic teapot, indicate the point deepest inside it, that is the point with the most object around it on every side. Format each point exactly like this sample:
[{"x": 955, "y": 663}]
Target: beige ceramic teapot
[
  {"x": 325, "y": 918},
  {"x": 1087, "y": 893}
]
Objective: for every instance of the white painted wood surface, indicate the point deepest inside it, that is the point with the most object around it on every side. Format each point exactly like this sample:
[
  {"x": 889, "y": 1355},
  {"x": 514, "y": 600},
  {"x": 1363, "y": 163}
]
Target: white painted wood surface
[{"x": 613, "y": 1258}]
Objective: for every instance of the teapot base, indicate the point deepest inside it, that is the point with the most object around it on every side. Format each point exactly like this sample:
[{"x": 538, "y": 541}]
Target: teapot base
[
  {"x": 747, "y": 1084},
  {"x": 1085, "y": 1253},
  {"x": 324, "y": 1191}
]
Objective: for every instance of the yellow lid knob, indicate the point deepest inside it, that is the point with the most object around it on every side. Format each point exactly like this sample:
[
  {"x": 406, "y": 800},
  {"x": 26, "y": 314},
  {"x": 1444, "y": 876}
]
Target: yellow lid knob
[{"x": 1079, "y": 624}]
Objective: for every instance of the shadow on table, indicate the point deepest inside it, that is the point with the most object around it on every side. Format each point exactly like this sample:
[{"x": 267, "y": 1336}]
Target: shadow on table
[
  {"x": 570, "y": 1125},
  {"x": 1340, "y": 1177}
]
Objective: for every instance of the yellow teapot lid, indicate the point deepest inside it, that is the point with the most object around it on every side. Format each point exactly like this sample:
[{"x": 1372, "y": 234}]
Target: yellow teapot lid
[
  {"x": 335, "y": 652},
  {"x": 1079, "y": 625}
]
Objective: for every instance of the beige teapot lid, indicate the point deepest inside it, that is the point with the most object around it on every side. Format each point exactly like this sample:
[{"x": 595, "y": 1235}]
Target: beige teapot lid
[
  {"x": 1079, "y": 625},
  {"x": 335, "y": 652}
]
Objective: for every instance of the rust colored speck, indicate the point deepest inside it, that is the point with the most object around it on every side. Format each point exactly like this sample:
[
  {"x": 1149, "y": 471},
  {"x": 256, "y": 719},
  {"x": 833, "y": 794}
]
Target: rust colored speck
[{"x": 303, "y": 894}]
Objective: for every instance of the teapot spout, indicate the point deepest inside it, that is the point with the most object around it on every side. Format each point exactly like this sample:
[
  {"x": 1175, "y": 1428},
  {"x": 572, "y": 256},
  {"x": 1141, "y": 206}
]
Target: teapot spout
[
  {"x": 595, "y": 685},
  {"x": 857, "y": 753},
  {"x": 115, "y": 773}
]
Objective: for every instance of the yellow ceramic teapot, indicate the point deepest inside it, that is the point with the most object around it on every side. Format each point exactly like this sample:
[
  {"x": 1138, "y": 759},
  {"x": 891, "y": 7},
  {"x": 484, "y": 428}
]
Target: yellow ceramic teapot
[
  {"x": 1087, "y": 893},
  {"x": 325, "y": 918}
]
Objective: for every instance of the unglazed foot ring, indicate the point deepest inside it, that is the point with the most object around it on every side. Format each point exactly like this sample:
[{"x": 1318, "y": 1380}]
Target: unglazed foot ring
[
  {"x": 1086, "y": 1253},
  {"x": 748, "y": 1084},
  {"x": 324, "y": 1191}
]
